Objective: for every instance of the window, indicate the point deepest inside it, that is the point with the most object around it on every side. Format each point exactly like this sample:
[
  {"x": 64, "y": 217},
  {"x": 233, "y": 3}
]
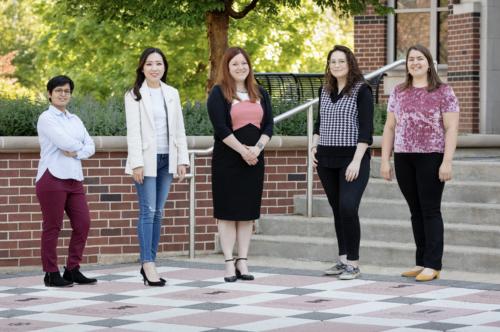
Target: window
[{"x": 422, "y": 22}]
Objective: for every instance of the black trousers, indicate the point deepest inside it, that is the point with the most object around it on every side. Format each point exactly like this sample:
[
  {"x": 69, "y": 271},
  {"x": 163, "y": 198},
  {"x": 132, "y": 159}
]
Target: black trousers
[
  {"x": 344, "y": 198},
  {"x": 418, "y": 179}
]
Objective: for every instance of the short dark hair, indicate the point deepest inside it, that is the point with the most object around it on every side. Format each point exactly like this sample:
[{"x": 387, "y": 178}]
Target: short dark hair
[{"x": 60, "y": 80}]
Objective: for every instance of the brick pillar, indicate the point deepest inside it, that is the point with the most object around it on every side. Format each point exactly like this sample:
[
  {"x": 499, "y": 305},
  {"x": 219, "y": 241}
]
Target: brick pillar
[
  {"x": 370, "y": 35},
  {"x": 463, "y": 63}
]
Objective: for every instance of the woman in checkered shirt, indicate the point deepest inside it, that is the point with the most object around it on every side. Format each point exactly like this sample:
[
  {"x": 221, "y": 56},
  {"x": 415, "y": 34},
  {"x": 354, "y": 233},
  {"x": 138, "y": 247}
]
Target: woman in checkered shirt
[{"x": 342, "y": 134}]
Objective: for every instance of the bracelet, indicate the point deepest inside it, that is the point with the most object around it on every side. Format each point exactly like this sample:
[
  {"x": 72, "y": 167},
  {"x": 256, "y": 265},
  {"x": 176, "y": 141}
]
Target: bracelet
[{"x": 260, "y": 145}]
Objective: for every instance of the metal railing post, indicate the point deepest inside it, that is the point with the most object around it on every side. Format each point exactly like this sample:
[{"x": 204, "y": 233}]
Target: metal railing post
[
  {"x": 192, "y": 205},
  {"x": 309, "y": 161}
]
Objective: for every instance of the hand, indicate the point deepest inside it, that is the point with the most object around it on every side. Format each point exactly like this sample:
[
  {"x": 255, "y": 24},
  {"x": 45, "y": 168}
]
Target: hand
[
  {"x": 255, "y": 150},
  {"x": 352, "y": 171},
  {"x": 313, "y": 153},
  {"x": 249, "y": 157},
  {"x": 386, "y": 170},
  {"x": 70, "y": 154},
  {"x": 181, "y": 172},
  {"x": 138, "y": 174},
  {"x": 445, "y": 171}
]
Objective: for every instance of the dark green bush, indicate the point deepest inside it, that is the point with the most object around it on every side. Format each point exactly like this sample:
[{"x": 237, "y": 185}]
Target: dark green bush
[{"x": 18, "y": 117}]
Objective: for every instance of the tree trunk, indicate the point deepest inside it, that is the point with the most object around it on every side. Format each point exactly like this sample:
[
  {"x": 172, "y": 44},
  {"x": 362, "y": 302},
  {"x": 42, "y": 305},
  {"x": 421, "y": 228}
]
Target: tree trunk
[{"x": 217, "y": 30}]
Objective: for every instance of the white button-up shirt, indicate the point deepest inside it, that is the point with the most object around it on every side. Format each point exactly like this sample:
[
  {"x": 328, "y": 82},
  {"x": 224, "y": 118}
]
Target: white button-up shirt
[{"x": 58, "y": 132}]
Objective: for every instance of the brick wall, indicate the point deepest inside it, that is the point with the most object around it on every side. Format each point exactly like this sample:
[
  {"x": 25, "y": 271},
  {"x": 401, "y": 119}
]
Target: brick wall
[
  {"x": 112, "y": 201},
  {"x": 463, "y": 67}
]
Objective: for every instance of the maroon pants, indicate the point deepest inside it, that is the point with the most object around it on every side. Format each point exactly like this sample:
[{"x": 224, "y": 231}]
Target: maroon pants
[{"x": 55, "y": 197}]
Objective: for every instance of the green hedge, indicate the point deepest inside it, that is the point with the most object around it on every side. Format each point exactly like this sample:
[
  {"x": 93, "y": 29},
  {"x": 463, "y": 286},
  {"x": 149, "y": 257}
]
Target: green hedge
[{"x": 18, "y": 117}]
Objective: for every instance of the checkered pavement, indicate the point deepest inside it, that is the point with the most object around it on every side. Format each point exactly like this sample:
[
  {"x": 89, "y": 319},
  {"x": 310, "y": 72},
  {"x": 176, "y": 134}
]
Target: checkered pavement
[{"x": 197, "y": 299}]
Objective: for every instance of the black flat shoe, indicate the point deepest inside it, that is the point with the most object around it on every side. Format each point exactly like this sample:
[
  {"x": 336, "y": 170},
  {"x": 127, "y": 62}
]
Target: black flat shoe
[
  {"x": 147, "y": 282},
  {"x": 54, "y": 279},
  {"x": 77, "y": 277},
  {"x": 238, "y": 273},
  {"x": 231, "y": 278}
]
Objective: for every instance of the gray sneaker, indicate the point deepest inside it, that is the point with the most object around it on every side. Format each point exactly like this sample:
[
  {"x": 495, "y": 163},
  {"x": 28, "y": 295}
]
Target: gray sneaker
[
  {"x": 336, "y": 269},
  {"x": 350, "y": 273}
]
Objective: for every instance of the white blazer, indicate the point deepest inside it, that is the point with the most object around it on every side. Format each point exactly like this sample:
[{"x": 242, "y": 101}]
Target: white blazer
[{"x": 141, "y": 135}]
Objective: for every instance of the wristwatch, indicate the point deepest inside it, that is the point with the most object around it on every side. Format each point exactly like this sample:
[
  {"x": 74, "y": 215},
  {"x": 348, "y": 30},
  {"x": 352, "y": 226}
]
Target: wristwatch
[{"x": 260, "y": 145}]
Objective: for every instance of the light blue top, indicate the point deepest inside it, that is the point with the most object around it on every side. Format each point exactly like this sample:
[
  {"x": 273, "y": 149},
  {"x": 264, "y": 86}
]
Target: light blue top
[{"x": 62, "y": 131}]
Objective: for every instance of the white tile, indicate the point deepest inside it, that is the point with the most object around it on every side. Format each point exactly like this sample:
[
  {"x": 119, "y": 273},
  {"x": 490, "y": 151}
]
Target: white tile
[
  {"x": 363, "y": 308},
  {"x": 72, "y": 328},
  {"x": 334, "y": 294},
  {"x": 377, "y": 321},
  {"x": 264, "y": 311},
  {"x": 445, "y": 293},
  {"x": 150, "y": 326},
  {"x": 172, "y": 282},
  {"x": 3, "y": 288},
  {"x": 63, "y": 293},
  {"x": 61, "y": 305},
  {"x": 62, "y": 318},
  {"x": 162, "y": 314},
  {"x": 476, "y": 319},
  {"x": 153, "y": 291},
  {"x": 162, "y": 269},
  {"x": 159, "y": 301},
  {"x": 258, "y": 298},
  {"x": 6, "y": 294},
  {"x": 477, "y": 329},
  {"x": 270, "y": 324},
  {"x": 255, "y": 274},
  {"x": 460, "y": 305},
  {"x": 339, "y": 284},
  {"x": 407, "y": 329},
  {"x": 241, "y": 286}
]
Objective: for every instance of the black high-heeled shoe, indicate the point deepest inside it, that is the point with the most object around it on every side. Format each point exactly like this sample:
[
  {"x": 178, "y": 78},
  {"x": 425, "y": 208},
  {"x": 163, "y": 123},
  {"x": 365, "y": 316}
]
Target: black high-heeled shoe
[
  {"x": 231, "y": 278},
  {"x": 161, "y": 279},
  {"x": 238, "y": 273},
  {"x": 151, "y": 283}
]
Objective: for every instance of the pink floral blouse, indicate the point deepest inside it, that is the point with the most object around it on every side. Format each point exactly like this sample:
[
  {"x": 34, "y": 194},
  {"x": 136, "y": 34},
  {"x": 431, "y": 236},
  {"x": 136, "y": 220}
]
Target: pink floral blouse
[{"x": 419, "y": 119}]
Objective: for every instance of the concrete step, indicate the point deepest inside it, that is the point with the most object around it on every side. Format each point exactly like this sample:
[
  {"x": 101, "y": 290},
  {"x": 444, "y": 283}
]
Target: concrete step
[
  {"x": 377, "y": 230},
  {"x": 383, "y": 253},
  {"x": 466, "y": 168},
  {"x": 374, "y": 208},
  {"x": 454, "y": 191}
]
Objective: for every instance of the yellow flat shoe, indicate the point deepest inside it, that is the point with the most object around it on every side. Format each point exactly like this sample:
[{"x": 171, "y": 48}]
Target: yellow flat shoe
[
  {"x": 428, "y": 277},
  {"x": 411, "y": 273}
]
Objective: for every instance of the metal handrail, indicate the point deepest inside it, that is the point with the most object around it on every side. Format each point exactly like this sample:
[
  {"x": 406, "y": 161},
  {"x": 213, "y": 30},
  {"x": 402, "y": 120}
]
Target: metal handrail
[{"x": 283, "y": 116}]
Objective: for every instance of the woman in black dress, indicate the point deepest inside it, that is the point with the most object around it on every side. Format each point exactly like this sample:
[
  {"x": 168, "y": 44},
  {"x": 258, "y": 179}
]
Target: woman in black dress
[{"x": 241, "y": 115}]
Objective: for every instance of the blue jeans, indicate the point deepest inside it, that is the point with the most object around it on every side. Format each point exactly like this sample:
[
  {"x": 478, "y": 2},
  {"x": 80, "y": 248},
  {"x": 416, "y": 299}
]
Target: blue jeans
[{"x": 152, "y": 194}]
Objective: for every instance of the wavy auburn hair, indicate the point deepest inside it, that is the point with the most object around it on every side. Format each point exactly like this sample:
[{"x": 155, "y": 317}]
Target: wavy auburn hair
[
  {"x": 433, "y": 80},
  {"x": 227, "y": 82},
  {"x": 354, "y": 74},
  {"x": 140, "y": 77}
]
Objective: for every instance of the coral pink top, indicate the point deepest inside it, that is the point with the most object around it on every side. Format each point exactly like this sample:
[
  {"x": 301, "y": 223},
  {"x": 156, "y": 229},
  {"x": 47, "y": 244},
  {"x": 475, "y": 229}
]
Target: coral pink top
[
  {"x": 246, "y": 112},
  {"x": 419, "y": 117}
]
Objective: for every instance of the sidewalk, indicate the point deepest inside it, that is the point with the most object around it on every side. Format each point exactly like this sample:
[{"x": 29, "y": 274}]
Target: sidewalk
[{"x": 280, "y": 299}]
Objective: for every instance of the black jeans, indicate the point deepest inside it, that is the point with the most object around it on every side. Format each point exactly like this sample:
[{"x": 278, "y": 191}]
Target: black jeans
[
  {"x": 418, "y": 179},
  {"x": 344, "y": 198}
]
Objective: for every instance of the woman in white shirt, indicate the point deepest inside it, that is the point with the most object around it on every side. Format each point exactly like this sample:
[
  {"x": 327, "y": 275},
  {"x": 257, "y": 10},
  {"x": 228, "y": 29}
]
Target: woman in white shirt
[
  {"x": 64, "y": 142},
  {"x": 157, "y": 149}
]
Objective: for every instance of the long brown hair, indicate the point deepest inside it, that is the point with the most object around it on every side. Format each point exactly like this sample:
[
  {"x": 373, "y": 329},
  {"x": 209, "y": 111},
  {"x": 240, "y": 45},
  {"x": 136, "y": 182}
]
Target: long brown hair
[
  {"x": 433, "y": 80},
  {"x": 226, "y": 81},
  {"x": 139, "y": 73},
  {"x": 354, "y": 74}
]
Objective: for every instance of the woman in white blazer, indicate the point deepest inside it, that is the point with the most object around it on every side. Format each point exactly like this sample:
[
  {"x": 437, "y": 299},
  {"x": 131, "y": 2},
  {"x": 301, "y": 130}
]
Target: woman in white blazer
[{"x": 157, "y": 149}]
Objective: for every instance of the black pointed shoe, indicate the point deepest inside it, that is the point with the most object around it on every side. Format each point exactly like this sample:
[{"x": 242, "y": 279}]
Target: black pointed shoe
[
  {"x": 77, "y": 277},
  {"x": 54, "y": 279},
  {"x": 238, "y": 273}
]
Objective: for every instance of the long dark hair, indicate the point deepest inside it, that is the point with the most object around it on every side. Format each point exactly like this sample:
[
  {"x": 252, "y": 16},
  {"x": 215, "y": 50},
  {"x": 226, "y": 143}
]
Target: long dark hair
[
  {"x": 354, "y": 74},
  {"x": 139, "y": 78},
  {"x": 433, "y": 80},
  {"x": 226, "y": 81}
]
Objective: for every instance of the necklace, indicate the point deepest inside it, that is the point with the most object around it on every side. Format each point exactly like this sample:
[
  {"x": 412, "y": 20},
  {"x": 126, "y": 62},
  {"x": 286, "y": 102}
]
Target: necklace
[{"x": 245, "y": 91}]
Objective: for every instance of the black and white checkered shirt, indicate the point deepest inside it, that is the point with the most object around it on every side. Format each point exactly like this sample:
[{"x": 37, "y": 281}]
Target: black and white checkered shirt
[{"x": 339, "y": 120}]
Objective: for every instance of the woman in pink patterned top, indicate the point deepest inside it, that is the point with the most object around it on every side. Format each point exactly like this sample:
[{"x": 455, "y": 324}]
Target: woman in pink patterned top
[{"x": 422, "y": 127}]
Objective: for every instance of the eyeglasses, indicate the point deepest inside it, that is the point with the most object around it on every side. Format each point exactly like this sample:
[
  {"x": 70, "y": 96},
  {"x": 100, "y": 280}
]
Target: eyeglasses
[
  {"x": 62, "y": 91},
  {"x": 340, "y": 63}
]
